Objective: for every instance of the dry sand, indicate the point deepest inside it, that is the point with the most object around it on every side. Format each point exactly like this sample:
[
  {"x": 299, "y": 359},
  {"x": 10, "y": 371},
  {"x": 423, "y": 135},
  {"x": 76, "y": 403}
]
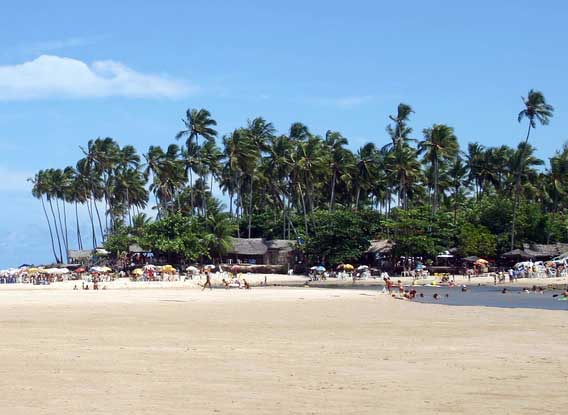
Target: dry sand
[{"x": 274, "y": 351}]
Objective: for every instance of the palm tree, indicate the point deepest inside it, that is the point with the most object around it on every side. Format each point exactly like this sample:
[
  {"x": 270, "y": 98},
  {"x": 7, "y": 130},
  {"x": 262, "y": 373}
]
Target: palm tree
[
  {"x": 39, "y": 190},
  {"x": 439, "y": 145},
  {"x": 367, "y": 163},
  {"x": 458, "y": 175},
  {"x": 335, "y": 143},
  {"x": 535, "y": 109},
  {"x": 400, "y": 134},
  {"x": 198, "y": 123},
  {"x": 259, "y": 132},
  {"x": 521, "y": 167}
]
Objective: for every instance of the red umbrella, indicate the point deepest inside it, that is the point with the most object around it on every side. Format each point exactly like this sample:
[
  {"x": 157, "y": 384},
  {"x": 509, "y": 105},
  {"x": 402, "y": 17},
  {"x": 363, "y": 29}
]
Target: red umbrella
[{"x": 79, "y": 270}]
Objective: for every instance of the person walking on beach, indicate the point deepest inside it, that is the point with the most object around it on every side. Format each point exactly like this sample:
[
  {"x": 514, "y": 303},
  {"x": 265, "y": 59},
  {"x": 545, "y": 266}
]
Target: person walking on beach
[{"x": 207, "y": 281}]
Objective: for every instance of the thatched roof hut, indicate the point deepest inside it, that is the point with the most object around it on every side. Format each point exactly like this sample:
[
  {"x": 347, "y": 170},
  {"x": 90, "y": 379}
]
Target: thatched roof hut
[{"x": 383, "y": 246}]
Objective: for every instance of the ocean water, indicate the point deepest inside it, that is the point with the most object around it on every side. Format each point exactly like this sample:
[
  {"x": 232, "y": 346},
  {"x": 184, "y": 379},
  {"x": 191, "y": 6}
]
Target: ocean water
[
  {"x": 487, "y": 296},
  {"x": 483, "y": 296}
]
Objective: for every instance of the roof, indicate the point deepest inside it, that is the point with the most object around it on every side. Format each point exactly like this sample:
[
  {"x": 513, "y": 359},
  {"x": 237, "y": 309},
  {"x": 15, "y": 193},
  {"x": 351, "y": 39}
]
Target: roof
[
  {"x": 280, "y": 244},
  {"x": 258, "y": 246},
  {"x": 518, "y": 253},
  {"x": 380, "y": 246},
  {"x": 80, "y": 254},
  {"x": 546, "y": 250},
  {"x": 136, "y": 249},
  {"x": 538, "y": 251}
]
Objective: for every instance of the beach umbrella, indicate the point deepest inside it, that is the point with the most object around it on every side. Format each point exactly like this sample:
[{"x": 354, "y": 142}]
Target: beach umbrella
[
  {"x": 80, "y": 270},
  {"x": 347, "y": 267},
  {"x": 192, "y": 269},
  {"x": 235, "y": 269},
  {"x": 320, "y": 268},
  {"x": 362, "y": 268},
  {"x": 138, "y": 272},
  {"x": 168, "y": 269},
  {"x": 481, "y": 261},
  {"x": 210, "y": 266},
  {"x": 33, "y": 270},
  {"x": 149, "y": 267}
]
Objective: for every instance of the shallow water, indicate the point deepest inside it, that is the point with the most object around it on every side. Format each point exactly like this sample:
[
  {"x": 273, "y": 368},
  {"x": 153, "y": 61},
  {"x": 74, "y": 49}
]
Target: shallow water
[{"x": 484, "y": 296}]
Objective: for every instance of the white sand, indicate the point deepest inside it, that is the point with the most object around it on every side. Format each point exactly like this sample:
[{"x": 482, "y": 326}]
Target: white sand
[{"x": 274, "y": 351}]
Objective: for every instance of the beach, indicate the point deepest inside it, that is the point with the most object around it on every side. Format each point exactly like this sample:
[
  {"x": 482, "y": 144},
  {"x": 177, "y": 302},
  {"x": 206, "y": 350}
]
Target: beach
[{"x": 274, "y": 351}]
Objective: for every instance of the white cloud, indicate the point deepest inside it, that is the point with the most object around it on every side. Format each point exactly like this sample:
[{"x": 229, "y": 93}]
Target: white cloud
[{"x": 51, "y": 76}]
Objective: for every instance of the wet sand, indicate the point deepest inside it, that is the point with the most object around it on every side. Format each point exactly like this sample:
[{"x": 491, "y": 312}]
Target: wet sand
[{"x": 274, "y": 351}]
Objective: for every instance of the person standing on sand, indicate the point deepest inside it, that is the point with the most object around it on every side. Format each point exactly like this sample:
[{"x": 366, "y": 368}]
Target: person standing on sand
[{"x": 207, "y": 281}]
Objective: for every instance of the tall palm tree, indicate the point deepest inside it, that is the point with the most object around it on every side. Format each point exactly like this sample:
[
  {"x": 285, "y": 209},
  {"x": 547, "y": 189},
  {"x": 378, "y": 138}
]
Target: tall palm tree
[
  {"x": 535, "y": 109},
  {"x": 440, "y": 144},
  {"x": 400, "y": 134},
  {"x": 521, "y": 166},
  {"x": 39, "y": 190},
  {"x": 259, "y": 132},
  {"x": 335, "y": 143},
  {"x": 367, "y": 163}
]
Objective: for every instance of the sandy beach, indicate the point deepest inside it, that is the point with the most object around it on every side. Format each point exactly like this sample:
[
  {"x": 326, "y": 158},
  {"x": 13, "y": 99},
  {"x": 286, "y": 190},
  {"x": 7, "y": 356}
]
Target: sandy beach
[{"x": 274, "y": 351}]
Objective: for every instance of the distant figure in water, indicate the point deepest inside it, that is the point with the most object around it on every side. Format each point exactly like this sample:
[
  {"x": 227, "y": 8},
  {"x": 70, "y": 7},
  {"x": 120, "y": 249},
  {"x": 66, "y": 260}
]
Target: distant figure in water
[
  {"x": 464, "y": 288},
  {"x": 540, "y": 290},
  {"x": 421, "y": 295},
  {"x": 504, "y": 291},
  {"x": 447, "y": 295},
  {"x": 435, "y": 296}
]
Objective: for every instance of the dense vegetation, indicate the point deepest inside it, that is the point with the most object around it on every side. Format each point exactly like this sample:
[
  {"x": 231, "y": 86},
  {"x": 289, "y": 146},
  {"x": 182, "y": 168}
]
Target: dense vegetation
[{"x": 420, "y": 190}]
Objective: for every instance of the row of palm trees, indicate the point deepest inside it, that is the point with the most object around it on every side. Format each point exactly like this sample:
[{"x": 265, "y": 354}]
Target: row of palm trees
[{"x": 297, "y": 172}]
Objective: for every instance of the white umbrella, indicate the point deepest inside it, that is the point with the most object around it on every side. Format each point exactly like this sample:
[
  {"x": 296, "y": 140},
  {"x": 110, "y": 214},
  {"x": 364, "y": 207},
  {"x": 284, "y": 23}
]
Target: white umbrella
[
  {"x": 362, "y": 268},
  {"x": 210, "y": 266},
  {"x": 192, "y": 269}
]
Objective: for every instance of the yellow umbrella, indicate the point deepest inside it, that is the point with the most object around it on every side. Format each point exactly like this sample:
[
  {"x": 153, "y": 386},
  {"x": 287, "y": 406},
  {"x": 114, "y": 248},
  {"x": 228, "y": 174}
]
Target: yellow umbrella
[
  {"x": 169, "y": 269},
  {"x": 138, "y": 271},
  {"x": 33, "y": 270},
  {"x": 348, "y": 267}
]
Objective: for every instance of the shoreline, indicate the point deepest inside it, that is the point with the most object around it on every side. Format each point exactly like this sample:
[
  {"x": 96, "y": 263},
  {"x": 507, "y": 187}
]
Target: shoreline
[{"x": 283, "y": 280}]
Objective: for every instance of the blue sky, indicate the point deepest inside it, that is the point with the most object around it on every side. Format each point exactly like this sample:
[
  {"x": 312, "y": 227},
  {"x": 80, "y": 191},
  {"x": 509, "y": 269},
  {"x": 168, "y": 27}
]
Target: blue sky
[{"x": 72, "y": 72}]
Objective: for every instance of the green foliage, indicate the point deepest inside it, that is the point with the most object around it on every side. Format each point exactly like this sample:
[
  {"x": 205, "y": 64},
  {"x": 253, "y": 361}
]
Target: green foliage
[
  {"x": 476, "y": 240},
  {"x": 119, "y": 241},
  {"x": 342, "y": 236},
  {"x": 175, "y": 236},
  {"x": 418, "y": 232}
]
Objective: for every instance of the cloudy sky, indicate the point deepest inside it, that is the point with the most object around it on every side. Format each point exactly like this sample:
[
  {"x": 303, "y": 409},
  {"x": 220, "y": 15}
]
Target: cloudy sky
[{"x": 71, "y": 72}]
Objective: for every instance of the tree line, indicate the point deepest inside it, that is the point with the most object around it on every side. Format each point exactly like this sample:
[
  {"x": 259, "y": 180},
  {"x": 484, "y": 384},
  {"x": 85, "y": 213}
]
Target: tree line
[{"x": 295, "y": 179}]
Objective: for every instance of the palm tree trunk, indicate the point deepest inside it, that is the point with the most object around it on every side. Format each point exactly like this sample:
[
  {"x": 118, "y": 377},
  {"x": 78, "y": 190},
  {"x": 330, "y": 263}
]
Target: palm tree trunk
[
  {"x": 333, "y": 179},
  {"x": 357, "y": 198},
  {"x": 61, "y": 227},
  {"x": 99, "y": 218},
  {"x": 250, "y": 208},
  {"x": 66, "y": 234},
  {"x": 515, "y": 207},
  {"x": 56, "y": 231},
  {"x": 79, "y": 240},
  {"x": 435, "y": 203},
  {"x": 303, "y": 209},
  {"x": 528, "y": 132},
  {"x": 91, "y": 217},
  {"x": 50, "y": 230}
]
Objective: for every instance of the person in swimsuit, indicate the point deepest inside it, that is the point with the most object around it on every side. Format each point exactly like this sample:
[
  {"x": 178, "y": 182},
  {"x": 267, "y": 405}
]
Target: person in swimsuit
[{"x": 207, "y": 281}]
